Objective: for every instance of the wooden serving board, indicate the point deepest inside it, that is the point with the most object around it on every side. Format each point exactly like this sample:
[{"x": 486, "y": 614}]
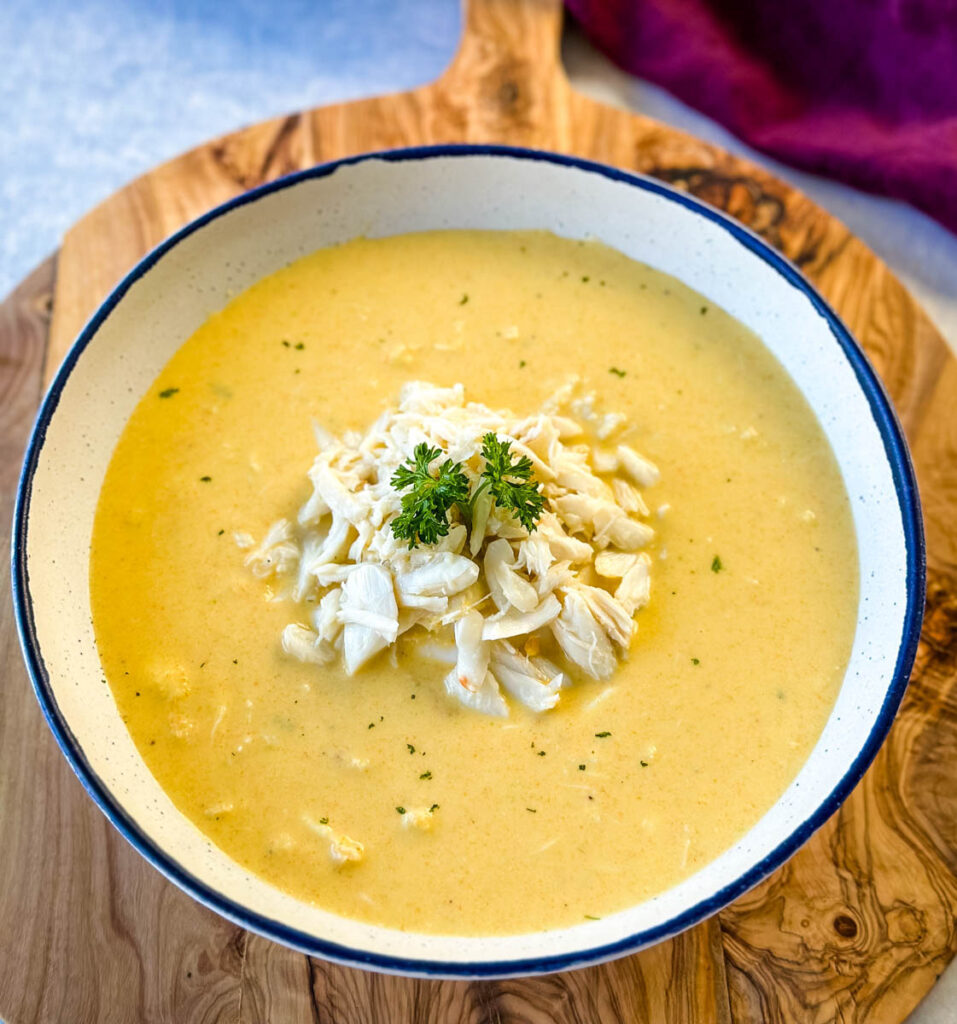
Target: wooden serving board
[{"x": 856, "y": 927}]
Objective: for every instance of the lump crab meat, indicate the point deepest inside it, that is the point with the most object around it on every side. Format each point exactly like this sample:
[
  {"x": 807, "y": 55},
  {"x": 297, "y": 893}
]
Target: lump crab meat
[{"x": 489, "y": 592}]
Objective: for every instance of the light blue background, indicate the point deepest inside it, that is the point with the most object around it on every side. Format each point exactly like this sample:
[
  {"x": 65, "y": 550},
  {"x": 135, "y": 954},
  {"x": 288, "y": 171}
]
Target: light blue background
[{"x": 93, "y": 92}]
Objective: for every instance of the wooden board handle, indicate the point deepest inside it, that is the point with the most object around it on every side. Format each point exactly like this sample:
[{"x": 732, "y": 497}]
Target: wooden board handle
[{"x": 507, "y": 69}]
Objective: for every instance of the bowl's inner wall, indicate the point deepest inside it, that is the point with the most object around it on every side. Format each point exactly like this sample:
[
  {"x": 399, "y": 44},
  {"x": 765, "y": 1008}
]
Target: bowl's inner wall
[{"x": 202, "y": 271}]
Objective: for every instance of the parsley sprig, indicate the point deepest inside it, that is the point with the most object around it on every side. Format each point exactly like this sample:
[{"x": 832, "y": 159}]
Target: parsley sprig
[
  {"x": 510, "y": 483},
  {"x": 425, "y": 509}
]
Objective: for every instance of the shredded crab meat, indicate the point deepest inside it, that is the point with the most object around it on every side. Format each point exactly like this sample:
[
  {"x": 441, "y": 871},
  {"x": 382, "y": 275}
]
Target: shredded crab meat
[
  {"x": 512, "y": 611},
  {"x": 342, "y": 848},
  {"x": 418, "y": 817}
]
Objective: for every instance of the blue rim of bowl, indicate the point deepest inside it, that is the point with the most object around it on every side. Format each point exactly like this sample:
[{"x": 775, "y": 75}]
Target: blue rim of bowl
[{"x": 905, "y": 485}]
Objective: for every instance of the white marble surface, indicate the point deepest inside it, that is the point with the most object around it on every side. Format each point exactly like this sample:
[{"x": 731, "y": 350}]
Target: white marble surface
[{"x": 93, "y": 92}]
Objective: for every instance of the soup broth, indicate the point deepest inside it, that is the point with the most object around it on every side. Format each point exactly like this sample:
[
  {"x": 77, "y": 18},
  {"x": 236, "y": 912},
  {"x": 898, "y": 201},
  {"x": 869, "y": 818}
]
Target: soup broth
[{"x": 540, "y": 820}]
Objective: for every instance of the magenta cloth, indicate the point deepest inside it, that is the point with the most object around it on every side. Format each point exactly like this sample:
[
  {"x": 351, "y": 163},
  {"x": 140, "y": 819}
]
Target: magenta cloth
[{"x": 861, "y": 90}]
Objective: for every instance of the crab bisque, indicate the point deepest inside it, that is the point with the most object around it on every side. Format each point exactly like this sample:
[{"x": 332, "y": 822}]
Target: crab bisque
[{"x": 518, "y": 724}]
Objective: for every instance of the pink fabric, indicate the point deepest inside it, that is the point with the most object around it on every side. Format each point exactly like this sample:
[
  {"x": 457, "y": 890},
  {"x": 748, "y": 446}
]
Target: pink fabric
[{"x": 861, "y": 90}]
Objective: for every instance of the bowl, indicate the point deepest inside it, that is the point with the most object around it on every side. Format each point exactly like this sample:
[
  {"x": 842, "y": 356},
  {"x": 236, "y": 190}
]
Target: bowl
[{"x": 196, "y": 271}]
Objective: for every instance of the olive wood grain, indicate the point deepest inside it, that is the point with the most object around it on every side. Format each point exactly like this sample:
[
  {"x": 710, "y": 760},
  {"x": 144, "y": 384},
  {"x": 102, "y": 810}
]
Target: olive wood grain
[{"x": 854, "y": 928}]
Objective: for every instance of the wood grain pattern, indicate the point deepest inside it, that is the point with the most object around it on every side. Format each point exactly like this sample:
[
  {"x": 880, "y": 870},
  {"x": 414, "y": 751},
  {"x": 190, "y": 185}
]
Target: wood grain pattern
[{"x": 854, "y": 928}]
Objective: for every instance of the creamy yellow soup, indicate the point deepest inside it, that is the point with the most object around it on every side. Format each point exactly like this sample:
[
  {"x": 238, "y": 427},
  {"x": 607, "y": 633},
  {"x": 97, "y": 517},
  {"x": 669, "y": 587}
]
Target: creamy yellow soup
[{"x": 542, "y": 820}]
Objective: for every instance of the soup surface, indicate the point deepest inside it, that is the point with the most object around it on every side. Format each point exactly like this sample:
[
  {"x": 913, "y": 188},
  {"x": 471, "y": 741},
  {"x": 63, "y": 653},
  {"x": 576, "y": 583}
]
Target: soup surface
[{"x": 540, "y": 820}]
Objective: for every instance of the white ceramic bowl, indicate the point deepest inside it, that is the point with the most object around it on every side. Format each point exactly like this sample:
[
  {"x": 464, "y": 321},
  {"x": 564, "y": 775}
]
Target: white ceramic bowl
[{"x": 167, "y": 296}]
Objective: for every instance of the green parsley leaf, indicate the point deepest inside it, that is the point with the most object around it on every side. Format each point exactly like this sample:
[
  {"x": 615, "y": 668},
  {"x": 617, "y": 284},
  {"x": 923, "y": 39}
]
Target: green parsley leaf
[
  {"x": 616, "y": 371},
  {"x": 602, "y": 735},
  {"x": 168, "y": 392},
  {"x": 425, "y": 509},
  {"x": 511, "y": 483},
  {"x": 400, "y": 810},
  {"x": 716, "y": 565}
]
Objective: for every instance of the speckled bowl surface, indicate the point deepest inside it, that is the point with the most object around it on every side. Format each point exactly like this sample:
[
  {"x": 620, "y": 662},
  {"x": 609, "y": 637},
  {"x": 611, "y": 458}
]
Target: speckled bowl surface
[{"x": 195, "y": 272}]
